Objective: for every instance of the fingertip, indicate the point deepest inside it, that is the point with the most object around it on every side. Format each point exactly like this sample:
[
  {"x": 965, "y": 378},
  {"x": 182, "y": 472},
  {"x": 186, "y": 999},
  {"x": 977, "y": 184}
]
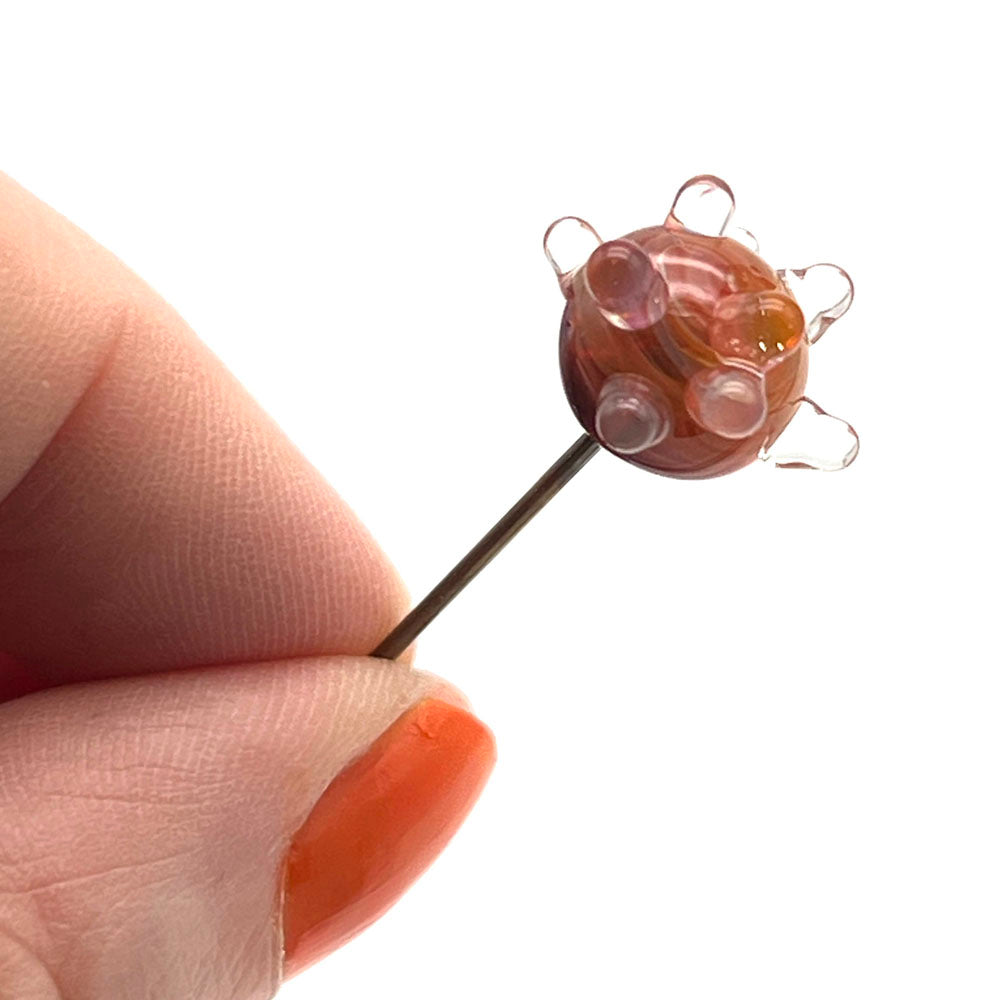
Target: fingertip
[{"x": 151, "y": 515}]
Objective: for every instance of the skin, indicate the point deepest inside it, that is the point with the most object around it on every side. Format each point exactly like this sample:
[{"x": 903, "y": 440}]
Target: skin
[{"x": 152, "y": 518}]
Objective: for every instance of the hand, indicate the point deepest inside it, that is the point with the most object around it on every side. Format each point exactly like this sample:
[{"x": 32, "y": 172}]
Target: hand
[{"x": 209, "y": 787}]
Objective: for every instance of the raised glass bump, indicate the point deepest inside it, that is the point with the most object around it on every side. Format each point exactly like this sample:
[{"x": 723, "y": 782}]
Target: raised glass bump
[
  {"x": 729, "y": 400},
  {"x": 704, "y": 204},
  {"x": 824, "y": 291},
  {"x": 813, "y": 439},
  {"x": 632, "y": 414},
  {"x": 569, "y": 238},
  {"x": 628, "y": 290},
  {"x": 759, "y": 327}
]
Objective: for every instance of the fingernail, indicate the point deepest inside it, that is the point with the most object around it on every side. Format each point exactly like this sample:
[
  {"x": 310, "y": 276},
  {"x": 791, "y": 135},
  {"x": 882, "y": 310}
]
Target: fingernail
[{"x": 379, "y": 825}]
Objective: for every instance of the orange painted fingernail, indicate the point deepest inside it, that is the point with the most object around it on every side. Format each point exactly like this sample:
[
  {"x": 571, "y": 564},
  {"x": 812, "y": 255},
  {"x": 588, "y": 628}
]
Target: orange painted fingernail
[{"x": 379, "y": 825}]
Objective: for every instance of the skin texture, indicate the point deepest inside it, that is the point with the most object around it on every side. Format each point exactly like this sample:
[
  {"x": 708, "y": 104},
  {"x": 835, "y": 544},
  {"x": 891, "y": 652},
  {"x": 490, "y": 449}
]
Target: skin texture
[{"x": 152, "y": 518}]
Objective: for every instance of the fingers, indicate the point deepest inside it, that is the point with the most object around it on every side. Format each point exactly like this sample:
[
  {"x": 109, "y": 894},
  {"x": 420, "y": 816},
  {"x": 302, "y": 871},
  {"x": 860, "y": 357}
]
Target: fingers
[
  {"x": 147, "y": 822},
  {"x": 151, "y": 516},
  {"x": 196, "y": 833}
]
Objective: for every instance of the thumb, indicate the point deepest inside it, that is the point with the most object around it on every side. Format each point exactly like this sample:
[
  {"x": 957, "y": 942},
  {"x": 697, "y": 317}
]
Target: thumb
[{"x": 205, "y": 833}]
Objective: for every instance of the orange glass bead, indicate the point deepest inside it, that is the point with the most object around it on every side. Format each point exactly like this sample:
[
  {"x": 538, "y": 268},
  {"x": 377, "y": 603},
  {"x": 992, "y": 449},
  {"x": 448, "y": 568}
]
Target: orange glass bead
[{"x": 682, "y": 351}]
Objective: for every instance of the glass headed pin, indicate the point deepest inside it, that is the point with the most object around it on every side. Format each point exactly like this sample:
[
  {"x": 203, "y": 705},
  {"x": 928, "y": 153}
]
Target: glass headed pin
[{"x": 684, "y": 353}]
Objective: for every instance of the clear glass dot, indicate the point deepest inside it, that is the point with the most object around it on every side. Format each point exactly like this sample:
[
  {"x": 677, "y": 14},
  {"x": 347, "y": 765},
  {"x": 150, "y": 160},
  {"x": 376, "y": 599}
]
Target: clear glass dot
[
  {"x": 728, "y": 400},
  {"x": 632, "y": 414},
  {"x": 628, "y": 290},
  {"x": 704, "y": 204}
]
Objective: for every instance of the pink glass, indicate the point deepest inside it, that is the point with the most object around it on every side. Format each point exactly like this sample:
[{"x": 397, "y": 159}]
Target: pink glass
[{"x": 682, "y": 351}]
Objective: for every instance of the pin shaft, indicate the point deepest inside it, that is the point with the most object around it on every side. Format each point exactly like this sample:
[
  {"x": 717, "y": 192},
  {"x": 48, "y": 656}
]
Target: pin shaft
[{"x": 564, "y": 469}]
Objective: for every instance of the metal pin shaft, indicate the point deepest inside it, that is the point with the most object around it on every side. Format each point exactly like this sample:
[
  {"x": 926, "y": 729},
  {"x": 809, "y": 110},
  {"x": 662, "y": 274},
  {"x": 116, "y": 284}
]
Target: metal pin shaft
[{"x": 565, "y": 468}]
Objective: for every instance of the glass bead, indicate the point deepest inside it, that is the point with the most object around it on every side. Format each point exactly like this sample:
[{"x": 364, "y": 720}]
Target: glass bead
[{"x": 677, "y": 309}]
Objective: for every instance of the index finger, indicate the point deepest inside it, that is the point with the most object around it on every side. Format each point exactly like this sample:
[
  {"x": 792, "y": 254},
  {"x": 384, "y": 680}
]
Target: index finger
[{"x": 151, "y": 515}]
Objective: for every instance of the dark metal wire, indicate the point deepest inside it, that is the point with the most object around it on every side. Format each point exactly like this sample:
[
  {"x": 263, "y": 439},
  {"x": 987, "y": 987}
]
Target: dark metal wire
[{"x": 565, "y": 468}]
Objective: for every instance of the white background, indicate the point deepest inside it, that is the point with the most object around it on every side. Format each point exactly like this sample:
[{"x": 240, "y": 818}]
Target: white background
[{"x": 748, "y": 727}]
